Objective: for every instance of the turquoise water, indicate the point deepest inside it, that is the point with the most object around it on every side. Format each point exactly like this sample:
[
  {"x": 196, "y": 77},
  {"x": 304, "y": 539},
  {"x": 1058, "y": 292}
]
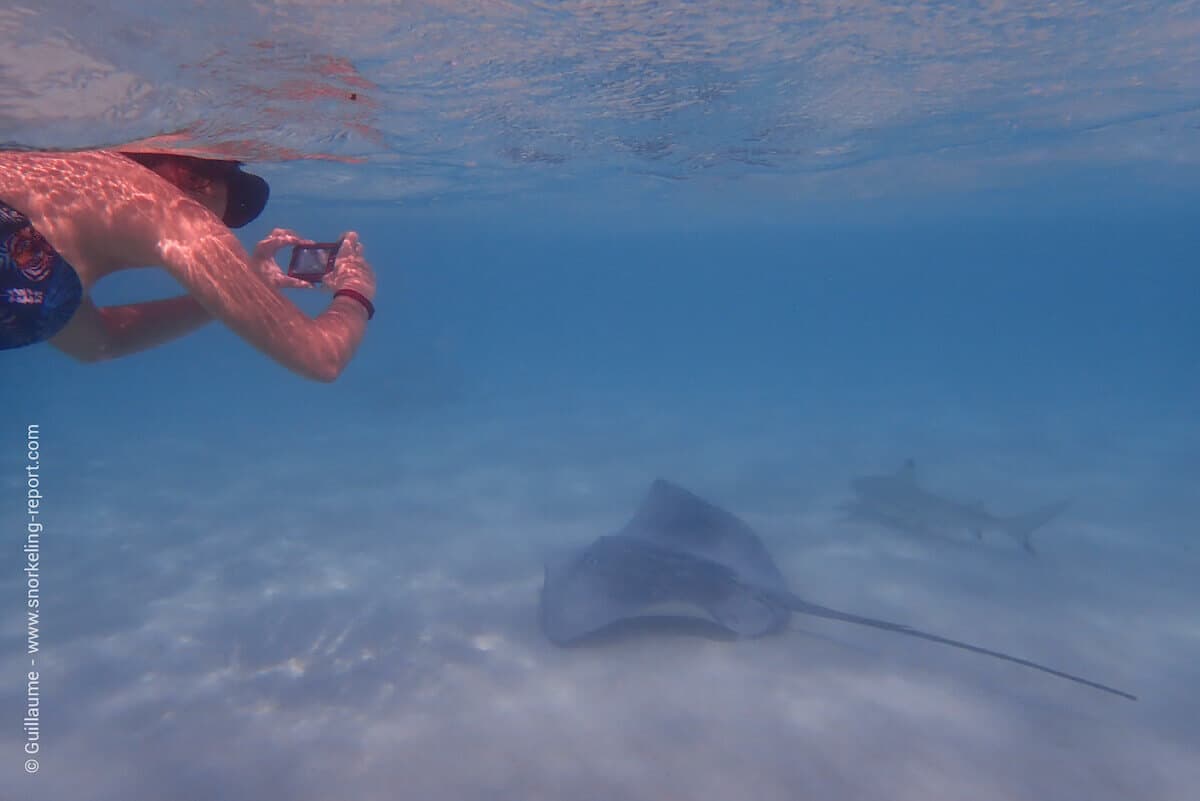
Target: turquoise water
[{"x": 759, "y": 252}]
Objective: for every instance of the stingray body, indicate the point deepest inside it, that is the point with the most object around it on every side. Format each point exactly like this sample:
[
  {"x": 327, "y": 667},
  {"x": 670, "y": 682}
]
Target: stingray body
[{"x": 681, "y": 551}]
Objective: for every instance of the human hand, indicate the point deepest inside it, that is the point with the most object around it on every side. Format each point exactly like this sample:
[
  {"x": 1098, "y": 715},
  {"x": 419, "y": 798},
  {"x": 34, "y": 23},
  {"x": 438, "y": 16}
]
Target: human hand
[
  {"x": 350, "y": 270},
  {"x": 263, "y": 259}
]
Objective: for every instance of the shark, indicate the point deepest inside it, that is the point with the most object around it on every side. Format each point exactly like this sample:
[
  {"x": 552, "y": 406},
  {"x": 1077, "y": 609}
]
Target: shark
[{"x": 896, "y": 500}]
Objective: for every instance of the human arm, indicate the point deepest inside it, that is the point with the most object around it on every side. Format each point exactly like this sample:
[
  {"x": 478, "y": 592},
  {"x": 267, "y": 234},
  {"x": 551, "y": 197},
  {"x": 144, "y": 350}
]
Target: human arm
[
  {"x": 97, "y": 333},
  {"x": 224, "y": 280}
]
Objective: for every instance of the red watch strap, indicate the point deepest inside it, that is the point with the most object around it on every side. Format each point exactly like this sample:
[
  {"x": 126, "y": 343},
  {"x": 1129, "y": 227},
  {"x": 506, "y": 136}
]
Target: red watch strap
[{"x": 360, "y": 297}]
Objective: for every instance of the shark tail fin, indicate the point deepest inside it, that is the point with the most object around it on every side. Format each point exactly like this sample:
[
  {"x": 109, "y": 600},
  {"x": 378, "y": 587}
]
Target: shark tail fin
[{"x": 1021, "y": 528}]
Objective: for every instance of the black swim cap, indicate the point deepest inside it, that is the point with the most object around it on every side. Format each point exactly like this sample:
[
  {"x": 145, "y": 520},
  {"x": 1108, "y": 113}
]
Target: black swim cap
[{"x": 248, "y": 194}]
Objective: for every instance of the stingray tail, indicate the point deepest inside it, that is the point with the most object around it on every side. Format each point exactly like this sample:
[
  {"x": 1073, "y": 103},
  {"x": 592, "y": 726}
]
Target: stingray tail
[
  {"x": 800, "y": 605},
  {"x": 1021, "y": 528}
]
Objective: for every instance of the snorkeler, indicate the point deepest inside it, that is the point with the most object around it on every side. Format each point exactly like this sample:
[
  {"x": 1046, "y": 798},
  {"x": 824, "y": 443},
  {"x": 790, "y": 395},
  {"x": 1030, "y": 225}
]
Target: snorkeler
[{"x": 69, "y": 219}]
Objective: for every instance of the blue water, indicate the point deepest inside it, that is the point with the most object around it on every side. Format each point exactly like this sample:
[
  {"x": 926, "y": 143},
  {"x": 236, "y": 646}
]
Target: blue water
[{"x": 758, "y": 253}]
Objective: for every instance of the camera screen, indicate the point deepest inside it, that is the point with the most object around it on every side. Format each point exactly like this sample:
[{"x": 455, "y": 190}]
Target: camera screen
[{"x": 311, "y": 261}]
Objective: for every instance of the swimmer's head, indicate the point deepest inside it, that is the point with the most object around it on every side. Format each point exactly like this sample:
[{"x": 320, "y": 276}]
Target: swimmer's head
[{"x": 236, "y": 196}]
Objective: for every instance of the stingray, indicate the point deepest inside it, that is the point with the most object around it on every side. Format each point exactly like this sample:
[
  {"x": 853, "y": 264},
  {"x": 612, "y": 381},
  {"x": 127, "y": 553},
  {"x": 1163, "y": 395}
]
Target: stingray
[{"x": 679, "y": 551}]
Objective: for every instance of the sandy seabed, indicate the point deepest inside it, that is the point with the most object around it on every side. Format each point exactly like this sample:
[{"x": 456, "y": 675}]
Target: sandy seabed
[{"x": 222, "y": 627}]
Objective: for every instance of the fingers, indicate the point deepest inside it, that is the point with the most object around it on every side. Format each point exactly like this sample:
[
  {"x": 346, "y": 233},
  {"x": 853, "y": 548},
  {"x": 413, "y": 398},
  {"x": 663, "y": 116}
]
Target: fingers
[
  {"x": 350, "y": 245},
  {"x": 277, "y": 240},
  {"x": 286, "y": 236},
  {"x": 281, "y": 280}
]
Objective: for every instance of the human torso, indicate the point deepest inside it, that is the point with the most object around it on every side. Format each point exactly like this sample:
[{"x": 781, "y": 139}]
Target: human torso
[{"x": 85, "y": 205}]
